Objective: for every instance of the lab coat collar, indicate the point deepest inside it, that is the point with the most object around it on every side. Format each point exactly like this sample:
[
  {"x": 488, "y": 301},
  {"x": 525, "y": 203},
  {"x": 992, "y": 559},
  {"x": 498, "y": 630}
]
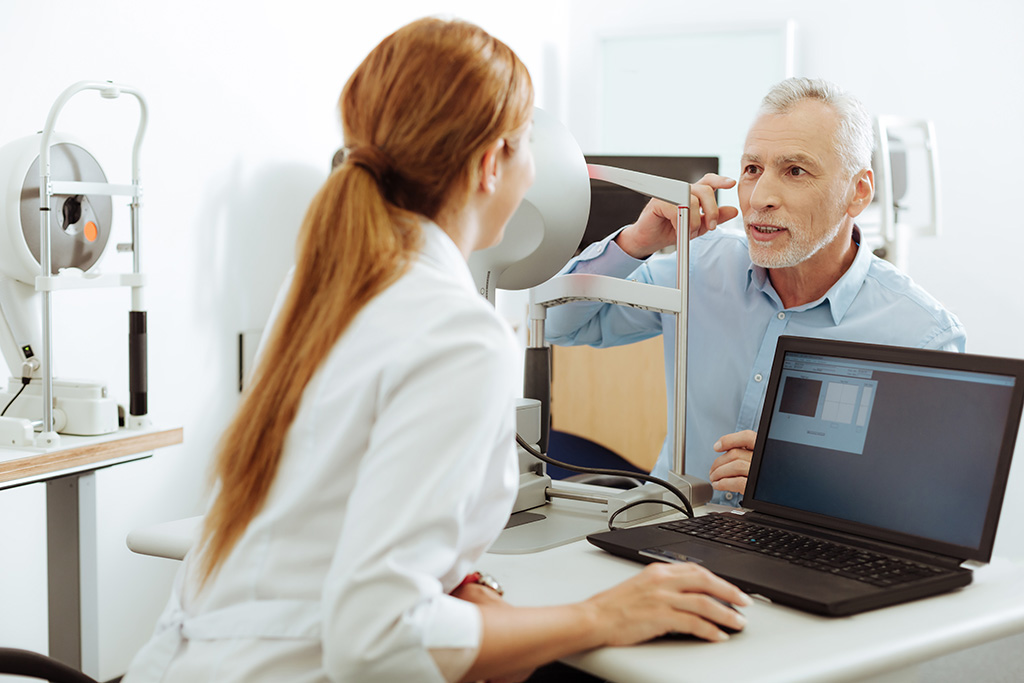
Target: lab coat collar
[
  {"x": 439, "y": 251},
  {"x": 839, "y": 297}
]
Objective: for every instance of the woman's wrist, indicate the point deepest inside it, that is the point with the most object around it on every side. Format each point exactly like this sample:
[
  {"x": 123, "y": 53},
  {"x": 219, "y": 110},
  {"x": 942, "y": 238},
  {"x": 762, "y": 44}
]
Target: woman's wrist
[
  {"x": 594, "y": 625},
  {"x": 482, "y": 579}
]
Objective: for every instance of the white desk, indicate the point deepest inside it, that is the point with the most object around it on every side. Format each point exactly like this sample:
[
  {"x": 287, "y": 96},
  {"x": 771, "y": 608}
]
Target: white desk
[
  {"x": 779, "y": 644},
  {"x": 69, "y": 472}
]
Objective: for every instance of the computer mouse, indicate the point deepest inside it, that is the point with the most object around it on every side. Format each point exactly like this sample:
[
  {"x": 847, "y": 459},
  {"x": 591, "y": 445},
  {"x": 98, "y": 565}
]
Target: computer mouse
[{"x": 674, "y": 635}]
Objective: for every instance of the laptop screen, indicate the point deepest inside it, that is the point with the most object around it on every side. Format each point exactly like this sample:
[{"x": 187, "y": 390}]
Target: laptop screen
[{"x": 902, "y": 440}]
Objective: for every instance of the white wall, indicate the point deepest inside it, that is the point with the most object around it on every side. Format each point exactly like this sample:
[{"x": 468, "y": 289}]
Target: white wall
[
  {"x": 243, "y": 125},
  {"x": 956, "y": 63},
  {"x": 242, "y": 129}
]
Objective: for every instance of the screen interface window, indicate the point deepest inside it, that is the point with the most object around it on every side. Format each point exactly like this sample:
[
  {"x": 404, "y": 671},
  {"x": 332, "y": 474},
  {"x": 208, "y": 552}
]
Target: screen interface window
[
  {"x": 824, "y": 403},
  {"x": 900, "y": 447}
]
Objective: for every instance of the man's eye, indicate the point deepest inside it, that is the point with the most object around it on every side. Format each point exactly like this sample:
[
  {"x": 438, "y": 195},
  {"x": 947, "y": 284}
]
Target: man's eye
[
  {"x": 751, "y": 169},
  {"x": 797, "y": 171}
]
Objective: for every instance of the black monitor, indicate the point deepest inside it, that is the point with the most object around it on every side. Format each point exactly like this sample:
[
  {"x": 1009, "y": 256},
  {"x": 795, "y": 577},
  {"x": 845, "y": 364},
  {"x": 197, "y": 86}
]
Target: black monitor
[{"x": 612, "y": 207}]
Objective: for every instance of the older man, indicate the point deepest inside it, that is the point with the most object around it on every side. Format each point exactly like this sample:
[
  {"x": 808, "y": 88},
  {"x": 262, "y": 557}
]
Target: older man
[{"x": 799, "y": 270}]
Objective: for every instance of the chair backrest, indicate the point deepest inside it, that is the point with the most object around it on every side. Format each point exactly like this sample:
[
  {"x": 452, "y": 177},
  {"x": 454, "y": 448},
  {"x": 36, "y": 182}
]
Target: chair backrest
[{"x": 34, "y": 665}]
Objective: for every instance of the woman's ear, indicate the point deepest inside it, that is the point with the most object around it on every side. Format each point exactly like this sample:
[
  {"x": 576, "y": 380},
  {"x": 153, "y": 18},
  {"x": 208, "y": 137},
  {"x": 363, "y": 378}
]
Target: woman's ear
[{"x": 489, "y": 166}]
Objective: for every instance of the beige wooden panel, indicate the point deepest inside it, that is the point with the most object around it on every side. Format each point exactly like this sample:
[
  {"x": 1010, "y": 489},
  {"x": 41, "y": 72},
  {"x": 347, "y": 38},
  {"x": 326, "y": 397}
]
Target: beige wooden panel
[
  {"x": 614, "y": 397},
  {"x": 98, "y": 450}
]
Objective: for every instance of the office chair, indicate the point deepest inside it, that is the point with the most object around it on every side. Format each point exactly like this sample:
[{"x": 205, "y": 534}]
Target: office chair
[
  {"x": 577, "y": 450},
  {"x": 34, "y": 665}
]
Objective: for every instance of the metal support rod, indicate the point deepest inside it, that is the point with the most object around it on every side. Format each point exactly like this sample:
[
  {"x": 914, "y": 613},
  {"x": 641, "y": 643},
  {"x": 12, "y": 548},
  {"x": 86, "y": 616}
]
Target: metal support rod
[
  {"x": 557, "y": 493},
  {"x": 137, "y": 334},
  {"x": 682, "y": 284},
  {"x": 46, "y": 268},
  {"x": 137, "y": 343},
  {"x": 535, "y": 330},
  {"x": 537, "y": 385},
  {"x": 136, "y": 208},
  {"x": 72, "y": 570}
]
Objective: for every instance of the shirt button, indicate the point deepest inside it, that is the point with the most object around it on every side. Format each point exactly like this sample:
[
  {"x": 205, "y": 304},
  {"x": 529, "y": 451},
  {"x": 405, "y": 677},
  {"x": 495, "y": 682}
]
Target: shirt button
[
  {"x": 782, "y": 315},
  {"x": 728, "y": 496},
  {"x": 758, "y": 377}
]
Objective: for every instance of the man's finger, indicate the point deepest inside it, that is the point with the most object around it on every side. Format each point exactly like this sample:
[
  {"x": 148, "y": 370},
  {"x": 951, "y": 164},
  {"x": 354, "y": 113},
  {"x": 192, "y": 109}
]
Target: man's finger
[
  {"x": 718, "y": 182},
  {"x": 733, "y": 484},
  {"x": 744, "y": 439}
]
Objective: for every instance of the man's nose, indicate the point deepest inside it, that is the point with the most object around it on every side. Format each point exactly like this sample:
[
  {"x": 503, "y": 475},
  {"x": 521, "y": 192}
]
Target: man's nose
[{"x": 766, "y": 194}]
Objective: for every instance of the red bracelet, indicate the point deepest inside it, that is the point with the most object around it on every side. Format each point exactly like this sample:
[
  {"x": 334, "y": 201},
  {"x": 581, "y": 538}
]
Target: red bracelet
[{"x": 482, "y": 579}]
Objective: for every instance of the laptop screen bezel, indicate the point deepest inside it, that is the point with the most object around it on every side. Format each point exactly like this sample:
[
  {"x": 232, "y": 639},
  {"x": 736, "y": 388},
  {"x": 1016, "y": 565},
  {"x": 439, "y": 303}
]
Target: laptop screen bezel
[{"x": 1009, "y": 367}]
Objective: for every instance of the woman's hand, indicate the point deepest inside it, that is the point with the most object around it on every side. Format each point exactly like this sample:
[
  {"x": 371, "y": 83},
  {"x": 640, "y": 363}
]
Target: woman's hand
[
  {"x": 668, "y": 598},
  {"x": 663, "y": 598}
]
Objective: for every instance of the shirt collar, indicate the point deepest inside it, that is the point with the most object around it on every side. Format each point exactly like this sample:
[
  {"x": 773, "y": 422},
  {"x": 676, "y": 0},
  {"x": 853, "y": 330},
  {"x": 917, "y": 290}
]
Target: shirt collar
[{"x": 839, "y": 297}]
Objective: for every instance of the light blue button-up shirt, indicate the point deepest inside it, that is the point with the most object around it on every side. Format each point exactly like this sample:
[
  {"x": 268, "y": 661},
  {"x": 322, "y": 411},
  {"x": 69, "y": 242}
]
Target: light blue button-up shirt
[{"x": 735, "y": 320}]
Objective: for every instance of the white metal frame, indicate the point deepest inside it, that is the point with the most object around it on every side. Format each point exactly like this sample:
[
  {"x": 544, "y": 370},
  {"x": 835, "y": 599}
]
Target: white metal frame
[
  {"x": 895, "y": 235},
  {"x": 584, "y": 287},
  {"x": 45, "y": 282}
]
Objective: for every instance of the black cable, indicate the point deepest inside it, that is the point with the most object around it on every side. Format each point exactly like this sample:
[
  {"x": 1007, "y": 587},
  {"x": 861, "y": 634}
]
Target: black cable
[
  {"x": 615, "y": 473},
  {"x": 24, "y": 384},
  {"x": 646, "y": 501}
]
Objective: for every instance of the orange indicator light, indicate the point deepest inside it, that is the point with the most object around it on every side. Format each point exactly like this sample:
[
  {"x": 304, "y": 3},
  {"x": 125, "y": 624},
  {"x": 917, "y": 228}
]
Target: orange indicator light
[{"x": 91, "y": 232}]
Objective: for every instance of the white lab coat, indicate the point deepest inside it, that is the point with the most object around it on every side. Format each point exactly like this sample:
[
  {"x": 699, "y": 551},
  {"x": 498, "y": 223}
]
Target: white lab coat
[{"x": 397, "y": 474}]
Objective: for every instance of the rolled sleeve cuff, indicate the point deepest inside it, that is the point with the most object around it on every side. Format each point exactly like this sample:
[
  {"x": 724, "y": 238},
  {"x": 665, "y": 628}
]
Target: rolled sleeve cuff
[{"x": 450, "y": 623}]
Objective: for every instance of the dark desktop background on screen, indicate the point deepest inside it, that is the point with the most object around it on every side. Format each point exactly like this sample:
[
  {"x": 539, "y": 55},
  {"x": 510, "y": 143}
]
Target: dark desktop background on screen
[{"x": 927, "y": 468}]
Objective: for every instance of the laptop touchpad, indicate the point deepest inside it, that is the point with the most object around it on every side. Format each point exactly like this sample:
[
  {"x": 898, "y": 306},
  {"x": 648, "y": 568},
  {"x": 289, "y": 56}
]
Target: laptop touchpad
[
  {"x": 714, "y": 557},
  {"x": 753, "y": 571}
]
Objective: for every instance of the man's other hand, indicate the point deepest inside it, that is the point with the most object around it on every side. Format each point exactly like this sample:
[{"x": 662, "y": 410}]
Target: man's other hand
[{"x": 729, "y": 471}]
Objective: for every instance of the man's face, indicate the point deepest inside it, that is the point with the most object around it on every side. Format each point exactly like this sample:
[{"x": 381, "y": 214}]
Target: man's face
[{"x": 793, "y": 190}]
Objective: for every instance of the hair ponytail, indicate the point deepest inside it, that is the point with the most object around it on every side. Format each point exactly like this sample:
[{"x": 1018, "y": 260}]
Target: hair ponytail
[
  {"x": 325, "y": 295},
  {"x": 417, "y": 114}
]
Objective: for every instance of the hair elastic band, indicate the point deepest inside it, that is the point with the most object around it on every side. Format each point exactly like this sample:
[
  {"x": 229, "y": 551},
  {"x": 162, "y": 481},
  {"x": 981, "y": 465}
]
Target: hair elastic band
[{"x": 373, "y": 160}]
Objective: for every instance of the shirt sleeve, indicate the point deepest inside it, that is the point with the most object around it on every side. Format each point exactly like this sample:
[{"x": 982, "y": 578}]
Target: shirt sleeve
[
  {"x": 432, "y": 492},
  {"x": 951, "y": 338},
  {"x": 600, "y": 324}
]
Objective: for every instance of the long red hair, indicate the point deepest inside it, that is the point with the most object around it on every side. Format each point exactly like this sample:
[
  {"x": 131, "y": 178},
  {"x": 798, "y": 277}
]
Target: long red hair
[{"x": 417, "y": 115}]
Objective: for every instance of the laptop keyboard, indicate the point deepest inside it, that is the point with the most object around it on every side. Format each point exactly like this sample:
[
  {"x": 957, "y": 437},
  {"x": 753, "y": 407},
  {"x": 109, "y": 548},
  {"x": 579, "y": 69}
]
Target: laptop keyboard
[{"x": 806, "y": 551}]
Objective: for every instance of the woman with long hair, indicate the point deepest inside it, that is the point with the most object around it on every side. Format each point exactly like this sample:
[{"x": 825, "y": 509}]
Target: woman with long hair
[{"x": 372, "y": 460}]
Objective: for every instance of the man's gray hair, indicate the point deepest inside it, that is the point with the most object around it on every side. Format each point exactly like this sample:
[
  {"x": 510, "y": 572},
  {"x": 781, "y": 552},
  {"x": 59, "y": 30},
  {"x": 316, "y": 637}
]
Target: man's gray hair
[{"x": 855, "y": 137}]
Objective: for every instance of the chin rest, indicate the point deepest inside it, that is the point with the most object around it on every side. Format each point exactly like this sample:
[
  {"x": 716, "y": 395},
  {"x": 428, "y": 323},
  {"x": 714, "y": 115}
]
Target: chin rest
[{"x": 611, "y": 481}]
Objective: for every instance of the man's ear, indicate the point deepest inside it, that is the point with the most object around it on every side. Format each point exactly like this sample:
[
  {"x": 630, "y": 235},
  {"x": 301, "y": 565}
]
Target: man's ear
[
  {"x": 863, "y": 191},
  {"x": 489, "y": 166}
]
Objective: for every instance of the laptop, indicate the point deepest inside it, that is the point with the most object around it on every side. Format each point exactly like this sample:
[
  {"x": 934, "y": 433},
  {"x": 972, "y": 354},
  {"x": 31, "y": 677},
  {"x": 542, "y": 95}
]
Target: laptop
[{"x": 877, "y": 472}]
